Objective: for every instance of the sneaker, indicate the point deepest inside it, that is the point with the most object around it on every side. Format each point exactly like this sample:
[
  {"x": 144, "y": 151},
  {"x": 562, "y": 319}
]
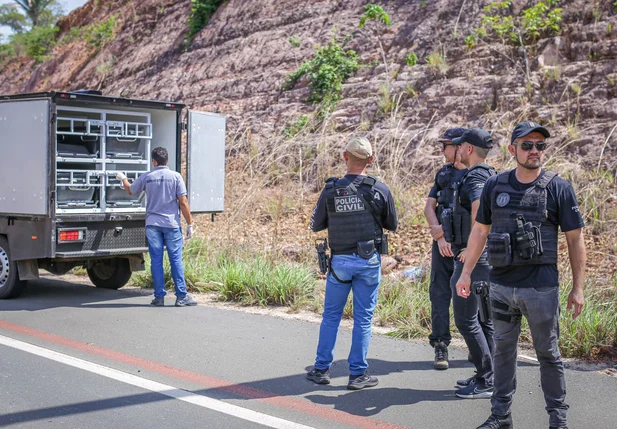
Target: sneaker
[
  {"x": 497, "y": 422},
  {"x": 441, "y": 356},
  {"x": 467, "y": 382},
  {"x": 475, "y": 391},
  {"x": 158, "y": 302},
  {"x": 357, "y": 382},
  {"x": 319, "y": 376},
  {"x": 187, "y": 301}
]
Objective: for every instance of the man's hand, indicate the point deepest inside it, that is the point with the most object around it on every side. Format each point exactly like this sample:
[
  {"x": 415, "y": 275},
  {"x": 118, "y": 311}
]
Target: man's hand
[
  {"x": 462, "y": 254},
  {"x": 445, "y": 248},
  {"x": 189, "y": 232},
  {"x": 436, "y": 232},
  {"x": 463, "y": 285},
  {"x": 576, "y": 300},
  {"x": 120, "y": 176}
]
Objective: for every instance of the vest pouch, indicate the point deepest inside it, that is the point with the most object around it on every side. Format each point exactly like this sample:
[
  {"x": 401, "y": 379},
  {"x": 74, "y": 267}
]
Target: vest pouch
[
  {"x": 366, "y": 249},
  {"x": 447, "y": 222},
  {"x": 458, "y": 228},
  {"x": 382, "y": 244},
  {"x": 499, "y": 249}
]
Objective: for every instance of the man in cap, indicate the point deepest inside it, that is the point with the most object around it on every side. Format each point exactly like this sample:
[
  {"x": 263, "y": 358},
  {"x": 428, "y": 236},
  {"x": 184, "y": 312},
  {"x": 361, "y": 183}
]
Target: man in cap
[
  {"x": 520, "y": 214},
  {"x": 440, "y": 197},
  {"x": 354, "y": 209},
  {"x": 472, "y": 149}
]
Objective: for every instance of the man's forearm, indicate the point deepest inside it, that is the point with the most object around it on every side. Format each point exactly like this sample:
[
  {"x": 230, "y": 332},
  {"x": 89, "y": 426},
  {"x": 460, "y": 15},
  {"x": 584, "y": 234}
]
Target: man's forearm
[
  {"x": 186, "y": 213},
  {"x": 431, "y": 218},
  {"x": 127, "y": 186},
  {"x": 578, "y": 258},
  {"x": 475, "y": 247}
]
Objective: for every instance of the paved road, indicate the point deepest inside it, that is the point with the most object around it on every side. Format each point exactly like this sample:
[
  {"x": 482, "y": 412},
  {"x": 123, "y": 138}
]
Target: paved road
[{"x": 73, "y": 356}]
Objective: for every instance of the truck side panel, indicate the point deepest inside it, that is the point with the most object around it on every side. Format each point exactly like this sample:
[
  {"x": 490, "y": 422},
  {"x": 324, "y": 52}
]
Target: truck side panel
[
  {"x": 30, "y": 238},
  {"x": 25, "y": 161}
]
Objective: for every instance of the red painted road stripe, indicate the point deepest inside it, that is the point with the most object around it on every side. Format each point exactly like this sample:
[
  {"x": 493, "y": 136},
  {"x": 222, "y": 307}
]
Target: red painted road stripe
[{"x": 300, "y": 405}]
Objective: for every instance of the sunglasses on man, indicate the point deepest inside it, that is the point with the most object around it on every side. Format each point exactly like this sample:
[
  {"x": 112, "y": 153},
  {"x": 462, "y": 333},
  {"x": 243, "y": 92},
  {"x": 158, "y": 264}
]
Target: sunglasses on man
[
  {"x": 446, "y": 144},
  {"x": 527, "y": 146}
]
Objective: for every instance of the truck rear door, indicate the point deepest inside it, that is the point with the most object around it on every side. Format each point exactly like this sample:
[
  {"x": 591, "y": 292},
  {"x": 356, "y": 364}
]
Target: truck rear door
[{"x": 206, "y": 162}]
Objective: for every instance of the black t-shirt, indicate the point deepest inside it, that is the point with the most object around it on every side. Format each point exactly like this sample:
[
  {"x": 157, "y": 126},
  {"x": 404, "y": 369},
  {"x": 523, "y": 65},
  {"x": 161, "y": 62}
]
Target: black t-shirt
[
  {"x": 562, "y": 209},
  {"x": 383, "y": 199},
  {"x": 456, "y": 176}
]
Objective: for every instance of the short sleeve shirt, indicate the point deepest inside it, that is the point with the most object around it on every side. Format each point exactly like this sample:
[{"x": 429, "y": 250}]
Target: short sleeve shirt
[
  {"x": 163, "y": 187},
  {"x": 562, "y": 209}
]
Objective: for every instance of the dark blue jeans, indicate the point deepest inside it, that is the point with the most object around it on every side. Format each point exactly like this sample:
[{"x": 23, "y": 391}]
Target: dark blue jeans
[
  {"x": 540, "y": 306},
  {"x": 440, "y": 293},
  {"x": 365, "y": 276},
  {"x": 479, "y": 337},
  {"x": 158, "y": 238}
]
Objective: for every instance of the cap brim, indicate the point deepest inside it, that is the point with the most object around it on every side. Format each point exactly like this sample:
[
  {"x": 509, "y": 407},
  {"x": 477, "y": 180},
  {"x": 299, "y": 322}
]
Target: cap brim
[
  {"x": 441, "y": 140},
  {"x": 458, "y": 141},
  {"x": 541, "y": 130}
]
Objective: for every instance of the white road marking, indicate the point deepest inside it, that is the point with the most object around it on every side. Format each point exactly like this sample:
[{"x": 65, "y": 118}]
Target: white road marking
[{"x": 153, "y": 386}]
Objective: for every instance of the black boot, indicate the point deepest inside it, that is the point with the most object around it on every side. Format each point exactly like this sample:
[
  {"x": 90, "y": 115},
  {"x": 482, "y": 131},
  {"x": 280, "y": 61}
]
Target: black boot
[
  {"x": 497, "y": 422},
  {"x": 441, "y": 356}
]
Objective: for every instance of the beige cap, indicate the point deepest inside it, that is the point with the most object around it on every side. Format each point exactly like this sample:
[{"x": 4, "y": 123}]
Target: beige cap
[{"x": 359, "y": 147}]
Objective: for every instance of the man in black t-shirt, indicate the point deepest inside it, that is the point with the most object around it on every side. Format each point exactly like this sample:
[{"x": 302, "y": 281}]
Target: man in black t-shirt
[
  {"x": 519, "y": 216},
  {"x": 439, "y": 198},
  {"x": 472, "y": 149}
]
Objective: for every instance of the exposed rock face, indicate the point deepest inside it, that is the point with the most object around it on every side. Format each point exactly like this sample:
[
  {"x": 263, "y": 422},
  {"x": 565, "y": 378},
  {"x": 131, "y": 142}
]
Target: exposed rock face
[{"x": 238, "y": 62}]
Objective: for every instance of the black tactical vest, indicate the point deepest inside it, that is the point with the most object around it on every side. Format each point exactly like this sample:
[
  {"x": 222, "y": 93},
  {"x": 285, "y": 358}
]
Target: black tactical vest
[
  {"x": 349, "y": 218},
  {"x": 461, "y": 217},
  {"x": 521, "y": 233},
  {"x": 445, "y": 196}
]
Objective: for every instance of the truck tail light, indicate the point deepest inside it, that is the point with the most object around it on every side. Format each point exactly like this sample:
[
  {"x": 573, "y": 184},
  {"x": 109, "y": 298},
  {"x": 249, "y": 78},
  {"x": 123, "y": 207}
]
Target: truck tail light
[{"x": 67, "y": 235}]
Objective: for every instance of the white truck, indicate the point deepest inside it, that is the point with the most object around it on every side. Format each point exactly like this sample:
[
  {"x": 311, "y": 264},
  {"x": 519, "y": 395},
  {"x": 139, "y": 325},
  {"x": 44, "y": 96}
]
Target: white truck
[{"x": 60, "y": 203}]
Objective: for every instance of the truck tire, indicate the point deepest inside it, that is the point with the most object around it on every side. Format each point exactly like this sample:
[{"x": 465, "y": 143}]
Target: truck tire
[
  {"x": 110, "y": 273},
  {"x": 10, "y": 285}
]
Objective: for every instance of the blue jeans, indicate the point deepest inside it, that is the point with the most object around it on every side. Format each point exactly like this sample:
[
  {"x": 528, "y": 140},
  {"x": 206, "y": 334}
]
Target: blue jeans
[
  {"x": 158, "y": 238},
  {"x": 365, "y": 276},
  {"x": 540, "y": 306}
]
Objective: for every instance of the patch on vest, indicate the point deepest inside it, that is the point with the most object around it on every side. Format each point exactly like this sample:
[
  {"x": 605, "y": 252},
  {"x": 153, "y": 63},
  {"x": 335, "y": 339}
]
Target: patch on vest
[
  {"x": 348, "y": 204},
  {"x": 503, "y": 199}
]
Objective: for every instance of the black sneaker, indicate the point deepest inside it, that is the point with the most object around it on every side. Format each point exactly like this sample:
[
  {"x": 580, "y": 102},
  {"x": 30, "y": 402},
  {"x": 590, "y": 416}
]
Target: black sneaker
[
  {"x": 357, "y": 382},
  {"x": 187, "y": 301},
  {"x": 319, "y": 376},
  {"x": 475, "y": 390},
  {"x": 441, "y": 356},
  {"x": 467, "y": 382},
  {"x": 497, "y": 422},
  {"x": 158, "y": 302}
]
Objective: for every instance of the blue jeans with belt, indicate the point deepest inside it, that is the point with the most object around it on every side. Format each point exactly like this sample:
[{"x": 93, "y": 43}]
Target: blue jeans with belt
[
  {"x": 365, "y": 277},
  {"x": 158, "y": 238}
]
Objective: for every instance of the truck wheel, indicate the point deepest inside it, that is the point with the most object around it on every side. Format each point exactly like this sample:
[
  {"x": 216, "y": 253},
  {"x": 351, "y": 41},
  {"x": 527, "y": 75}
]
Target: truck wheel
[
  {"x": 10, "y": 285},
  {"x": 110, "y": 273}
]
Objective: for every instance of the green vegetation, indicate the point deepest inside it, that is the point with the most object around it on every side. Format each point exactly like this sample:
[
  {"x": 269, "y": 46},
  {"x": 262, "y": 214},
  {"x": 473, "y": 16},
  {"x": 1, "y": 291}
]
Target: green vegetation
[
  {"x": 294, "y": 41},
  {"x": 201, "y": 12},
  {"x": 331, "y": 65},
  {"x": 541, "y": 19},
  {"x": 436, "y": 61},
  {"x": 98, "y": 35},
  {"x": 411, "y": 59},
  {"x": 300, "y": 124}
]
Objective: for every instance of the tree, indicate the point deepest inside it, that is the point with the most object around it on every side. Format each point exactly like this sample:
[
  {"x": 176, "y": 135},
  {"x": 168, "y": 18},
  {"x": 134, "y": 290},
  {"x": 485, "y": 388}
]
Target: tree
[
  {"x": 36, "y": 10},
  {"x": 10, "y": 17}
]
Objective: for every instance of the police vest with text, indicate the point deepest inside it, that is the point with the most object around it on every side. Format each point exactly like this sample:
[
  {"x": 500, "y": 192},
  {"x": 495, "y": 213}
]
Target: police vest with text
[
  {"x": 521, "y": 233},
  {"x": 354, "y": 218},
  {"x": 456, "y": 220},
  {"x": 445, "y": 196}
]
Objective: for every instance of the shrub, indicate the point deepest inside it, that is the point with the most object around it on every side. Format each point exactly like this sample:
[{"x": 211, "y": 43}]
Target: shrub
[
  {"x": 98, "y": 35},
  {"x": 411, "y": 59},
  {"x": 201, "y": 12},
  {"x": 36, "y": 43}
]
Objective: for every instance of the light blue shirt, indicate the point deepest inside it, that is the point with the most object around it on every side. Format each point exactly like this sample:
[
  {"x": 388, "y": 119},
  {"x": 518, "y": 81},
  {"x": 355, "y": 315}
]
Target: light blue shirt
[{"x": 163, "y": 188}]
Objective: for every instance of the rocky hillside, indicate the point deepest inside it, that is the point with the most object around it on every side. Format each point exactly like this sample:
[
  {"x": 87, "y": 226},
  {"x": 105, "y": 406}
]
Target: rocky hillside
[{"x": 237, "y": 64}]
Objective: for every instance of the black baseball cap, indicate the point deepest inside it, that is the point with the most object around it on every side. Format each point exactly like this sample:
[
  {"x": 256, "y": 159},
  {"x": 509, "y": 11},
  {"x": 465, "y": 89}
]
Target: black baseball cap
[
  {"x": 450, "y": 134},
  {"x": 475, "y": 137},
  {"x": 527, "y": 127}
]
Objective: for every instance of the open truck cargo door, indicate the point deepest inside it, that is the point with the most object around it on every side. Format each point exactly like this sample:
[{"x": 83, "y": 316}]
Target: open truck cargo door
[
  {"x": 206, "y": 162},
  {"x": 24, "y": 162}
]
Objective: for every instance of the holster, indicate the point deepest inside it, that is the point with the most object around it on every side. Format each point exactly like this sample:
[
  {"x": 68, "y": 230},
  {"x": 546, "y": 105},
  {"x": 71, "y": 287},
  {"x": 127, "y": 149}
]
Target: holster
[{"x": 366, "y": 249}]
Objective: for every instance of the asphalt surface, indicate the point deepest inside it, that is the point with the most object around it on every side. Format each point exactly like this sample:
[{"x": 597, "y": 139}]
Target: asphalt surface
[{"x": 250, "y": 361}]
